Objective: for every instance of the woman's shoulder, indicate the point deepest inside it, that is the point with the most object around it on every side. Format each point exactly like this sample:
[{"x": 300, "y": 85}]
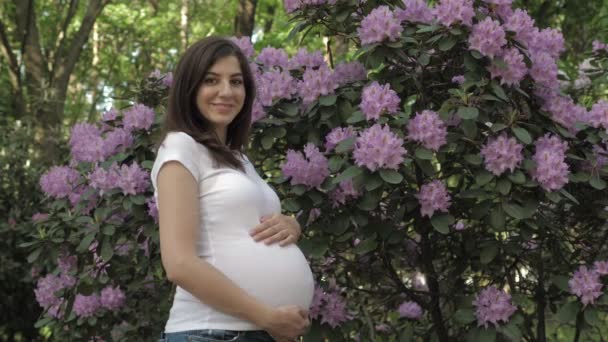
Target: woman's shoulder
[{"x": 182, "y": 140}]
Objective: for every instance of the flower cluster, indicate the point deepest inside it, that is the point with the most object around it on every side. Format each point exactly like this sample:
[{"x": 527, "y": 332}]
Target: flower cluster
[
  {"x": 585, "y": 283},
  {"x": 88, "y": 145},
  {"x": 337, "y": 135},
  {"x": 244, "y": 43},
  {"x": 305, "y": 59},
  {"x": 522, "y": 24},
  {"x": 272, "y": 57},
  {"x": 59, "y": 181},
  {"x": 130, "y": 179},
  {"x": 349, "y": 72},
  {"x": 410, "y": 310},
  {"x": 315, "y": 83},
  {"x": 416, "y": 11},
  {"x": 551, "y": 169},
  {"x": 513, "y": 71},
  {"x": 138, "y": 117},
  {"x": 378, "y": 148},
  {"x": 309, "y": 169},
  {"x": 330, "y": 306},
  {"x": 377, "y": 99},
  {"x": 344, "y": 192},
  {"x": 493, "y": 306},
  {"x": 381, "y": 24},
  {"x": 487, "y": 37},
  {"x": 449, "y": 12},
  {"x": 501, "y": 154},
  {"x": 428, "y": 129},
  {"x": 274, "y": 85},
  {"x": 433, "y": 197},
  {"x": 598, "y": 115}
]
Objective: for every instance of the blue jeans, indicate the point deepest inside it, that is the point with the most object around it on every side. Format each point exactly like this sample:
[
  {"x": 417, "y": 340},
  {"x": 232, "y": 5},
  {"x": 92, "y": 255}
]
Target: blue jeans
[{"x": 212, "y": 335}]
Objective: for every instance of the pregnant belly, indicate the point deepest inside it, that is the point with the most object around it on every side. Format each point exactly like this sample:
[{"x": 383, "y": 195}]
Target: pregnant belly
[{"x": 274, "y": 275}]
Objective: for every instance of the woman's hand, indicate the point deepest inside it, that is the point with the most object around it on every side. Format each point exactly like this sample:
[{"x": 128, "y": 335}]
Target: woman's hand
[
  {"x": 277, "y": 228},
  {"x": 285, "y": 323}
]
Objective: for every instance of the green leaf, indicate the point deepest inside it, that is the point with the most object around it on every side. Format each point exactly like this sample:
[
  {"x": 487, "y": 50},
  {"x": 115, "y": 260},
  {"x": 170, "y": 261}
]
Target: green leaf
[
  {"x": 497, "y": 218},
  {"x": 335, "y": 163},
  {"x": 517, "y": 177},
  {"x": 429, "y": 28},
  {"x": 147, "y": 164},
  {"x": 469, "y": 127},
  {"x": 366, "y": 246},
  {"x": 345, "y": 145},
  {"x": 592, "y": 317},
  {"x": 464, "y": 315},
  {"x": 291, "y": 204},
  {"x": 522, "y": 134},
  {"x": 512, "y": 331},
  {"x": 567, "y": 313},
  {"x": 498, "y": 127},
  {"x": 488, "y": 253},
  {"x": 515, "y": 211},
  {"x": 106, "y": 250},
  {"x": 468, "y": 113},
  {"x": 447, "y": 43},
  {"x": 276, "y": 132},
  {"x": 349, "y": 173},
  {"x": 473, "y": 159},
  {"x": 423, "y": 153},
  {"x": 370, "y": 200},
  {"x": 391, "y": 176},
  {"x": 442, "y": 222},
  {"x": 373, "y": 182},
  {"x": 267, "y": 141},
  {"x": 355, "y": 117},
  {"x": 499, "y": 91},
  {"x": 598, "y": 183},
  {"x": 568, "y": 195},
  {"x": 138, "y": 199},
  {"x": 504, "y": 186},
  {"x": 86, "y": 242},
  {"x": 483, "y": 177},
  {"x": 424, "y": 59},
  {"x": 328, "y": 100},
  {"x": 34, "y": 255},
  {"x": 561, "y": 282}
]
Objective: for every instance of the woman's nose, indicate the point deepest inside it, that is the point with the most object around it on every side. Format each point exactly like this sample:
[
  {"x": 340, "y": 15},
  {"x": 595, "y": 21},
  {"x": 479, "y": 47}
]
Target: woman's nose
[{"x": 225, "y": 88}]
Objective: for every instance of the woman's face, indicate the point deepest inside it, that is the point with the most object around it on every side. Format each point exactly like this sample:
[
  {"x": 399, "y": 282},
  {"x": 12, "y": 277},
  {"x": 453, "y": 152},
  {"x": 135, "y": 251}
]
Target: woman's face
[{"x": 222, "y": 94}]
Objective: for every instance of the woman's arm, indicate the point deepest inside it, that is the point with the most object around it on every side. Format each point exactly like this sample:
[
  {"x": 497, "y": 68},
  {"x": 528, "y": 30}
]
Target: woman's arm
[{"x": 178, "y": 205}]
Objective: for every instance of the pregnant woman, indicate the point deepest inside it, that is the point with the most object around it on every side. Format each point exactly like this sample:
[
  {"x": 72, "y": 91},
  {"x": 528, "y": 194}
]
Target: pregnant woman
[{"x": 224, "y": 241}]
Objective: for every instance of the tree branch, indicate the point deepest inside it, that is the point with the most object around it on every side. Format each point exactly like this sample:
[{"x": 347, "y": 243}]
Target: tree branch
[
  {"x": 7, "y": 51},
  {"x": 65, "y": 62}
]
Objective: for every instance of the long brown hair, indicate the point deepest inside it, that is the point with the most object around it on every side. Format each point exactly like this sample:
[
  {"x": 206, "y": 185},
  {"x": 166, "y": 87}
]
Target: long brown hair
[{"x": 183, "y": 114}]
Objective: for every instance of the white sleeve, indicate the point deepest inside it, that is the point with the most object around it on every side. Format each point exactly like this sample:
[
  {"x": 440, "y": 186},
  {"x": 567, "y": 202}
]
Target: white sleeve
[{"x": 180, "y": 147}]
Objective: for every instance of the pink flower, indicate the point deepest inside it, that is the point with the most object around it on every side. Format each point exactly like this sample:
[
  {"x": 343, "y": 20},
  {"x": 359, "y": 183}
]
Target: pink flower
[
  {"x": 381, "y": 24},
  {"x": 428, "y": 129},
  {"x": 337, "y": 135},
  {"x": 601, "y": 267},
  {"x": 112, "y": 298},
  {"x": 501, "y": 154},
  {"x": 586, "y": 284},
  {"x": 487, "y": 37},
  {"x": 493, "y": 306},
  {"x": 415, "y": 11},
  {"x": 551, "y": 169},
  {"x": 377, "y": 99},
  {"x": 449, "y": 12},
  {"x": 410, "y": 310},
  {"x": 515, "y": 68},
  {"x": 309, "y": 169},
  {"x": 139, "y": 117},
  {"x": 379, "y": 148},
  {"x": 433, "y": 197}
]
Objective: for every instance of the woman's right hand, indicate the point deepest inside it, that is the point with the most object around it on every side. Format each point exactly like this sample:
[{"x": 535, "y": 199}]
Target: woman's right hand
[{"x": 286, "y": 323}]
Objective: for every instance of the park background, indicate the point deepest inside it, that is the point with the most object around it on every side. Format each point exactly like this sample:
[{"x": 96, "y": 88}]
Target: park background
[{"x": 65, "y": 62}]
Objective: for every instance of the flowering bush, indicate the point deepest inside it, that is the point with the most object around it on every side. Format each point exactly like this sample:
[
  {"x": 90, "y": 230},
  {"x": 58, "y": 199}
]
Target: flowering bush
[
  {"x": 448, "y": 188},
  {"x": 95, "y": 247},
  {"x": 457, "y": 189}
]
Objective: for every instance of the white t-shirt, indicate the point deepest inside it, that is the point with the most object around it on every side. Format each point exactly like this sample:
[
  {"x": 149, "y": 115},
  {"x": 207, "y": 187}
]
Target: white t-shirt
[{"x": 231, "y": 203}]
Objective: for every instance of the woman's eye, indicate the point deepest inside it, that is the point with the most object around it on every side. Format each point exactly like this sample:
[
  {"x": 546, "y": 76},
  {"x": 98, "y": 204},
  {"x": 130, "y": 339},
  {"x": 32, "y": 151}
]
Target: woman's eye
[
  {"x": 237, "y": 82},
  {"x": 210, "y": 81}
]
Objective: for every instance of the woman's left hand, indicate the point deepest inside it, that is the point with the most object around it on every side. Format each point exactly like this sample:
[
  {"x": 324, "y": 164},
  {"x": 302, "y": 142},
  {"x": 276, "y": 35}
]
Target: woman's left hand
[{"x": 277, "y": 228}]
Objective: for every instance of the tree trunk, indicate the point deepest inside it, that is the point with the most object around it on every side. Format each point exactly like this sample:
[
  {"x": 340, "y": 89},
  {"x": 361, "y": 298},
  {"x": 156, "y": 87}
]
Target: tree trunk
[
  {"x": 245, "y": 18},
  {"x": 41, "y": 92},
  {"x": 183, "y": 33}
]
